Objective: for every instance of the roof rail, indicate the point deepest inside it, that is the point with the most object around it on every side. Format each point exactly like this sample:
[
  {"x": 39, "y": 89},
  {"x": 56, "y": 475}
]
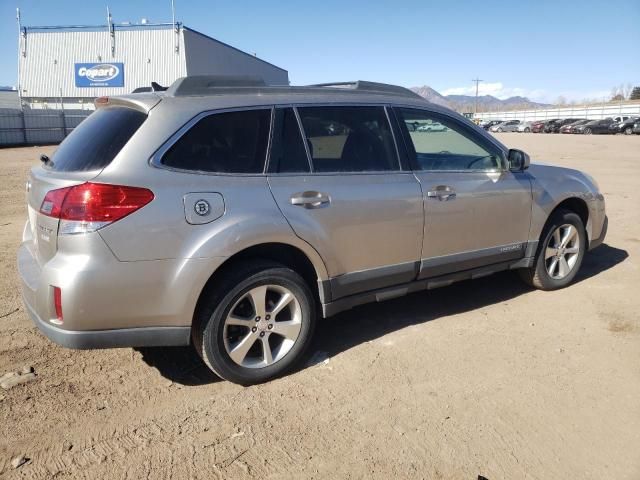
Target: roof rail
[
  {"x": 202, "y": 84},
  {"x": 366, "y": 86}
]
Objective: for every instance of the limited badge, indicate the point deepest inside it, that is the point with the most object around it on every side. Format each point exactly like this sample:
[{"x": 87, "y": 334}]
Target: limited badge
[{"x": 202, "y": 207}]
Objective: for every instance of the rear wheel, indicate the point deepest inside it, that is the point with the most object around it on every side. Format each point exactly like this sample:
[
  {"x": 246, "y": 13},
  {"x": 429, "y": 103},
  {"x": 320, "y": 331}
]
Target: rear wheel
[
  {"x": 628, "y": 131},
  {"x": 256, "y": 324},
  {"x": 560, "y": 252}
]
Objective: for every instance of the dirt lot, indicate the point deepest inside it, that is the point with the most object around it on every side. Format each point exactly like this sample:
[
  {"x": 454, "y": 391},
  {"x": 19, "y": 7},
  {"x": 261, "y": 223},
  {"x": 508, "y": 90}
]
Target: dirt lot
[{"x": 482, "y": 378}]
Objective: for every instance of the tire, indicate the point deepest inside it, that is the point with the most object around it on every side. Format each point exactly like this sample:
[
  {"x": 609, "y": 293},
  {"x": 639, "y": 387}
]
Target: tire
[
  {"x": 587, "y": 131},
  {"x": 628, "y": 131},
  {"x": 527, "y": 130},
  {"x": 500, "y": 130},
  {"x": 539, "y": 275},
  {"x": 217, "y": 333}
]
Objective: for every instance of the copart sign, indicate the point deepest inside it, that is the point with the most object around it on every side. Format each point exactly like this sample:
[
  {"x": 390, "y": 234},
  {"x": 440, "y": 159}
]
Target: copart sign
[{"x": 99, "y": 74}]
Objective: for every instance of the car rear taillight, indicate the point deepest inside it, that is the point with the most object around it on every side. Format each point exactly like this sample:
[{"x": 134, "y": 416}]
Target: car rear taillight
[
  {"x": 57, "y": 303},
  {"x": 91, "y": 206}
]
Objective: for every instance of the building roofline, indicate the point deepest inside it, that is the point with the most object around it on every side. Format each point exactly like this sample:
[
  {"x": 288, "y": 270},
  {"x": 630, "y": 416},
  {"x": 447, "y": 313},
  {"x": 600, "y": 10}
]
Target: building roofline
[
  {"x": 234, "y": 48},
  {"x": 92, "y": 28}
]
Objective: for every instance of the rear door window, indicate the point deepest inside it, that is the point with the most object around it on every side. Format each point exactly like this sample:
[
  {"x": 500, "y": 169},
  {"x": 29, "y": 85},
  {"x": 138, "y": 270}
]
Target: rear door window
[
  {"x": 97, "y": 140},
  {"x": 349, "y": 139},
  {"x": 230, "y": 142}
]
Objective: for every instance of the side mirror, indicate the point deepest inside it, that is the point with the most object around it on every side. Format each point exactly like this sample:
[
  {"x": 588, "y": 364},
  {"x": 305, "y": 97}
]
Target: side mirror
[{"x": 518, "y": 160}]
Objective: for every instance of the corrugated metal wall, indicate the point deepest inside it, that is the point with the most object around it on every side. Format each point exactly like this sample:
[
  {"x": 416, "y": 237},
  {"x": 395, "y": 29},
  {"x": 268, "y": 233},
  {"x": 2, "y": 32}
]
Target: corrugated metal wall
[
  {"x": 208, "y": 56},
  {"x": 33, "y": 127},
  {"x": 148, "y": 55}
]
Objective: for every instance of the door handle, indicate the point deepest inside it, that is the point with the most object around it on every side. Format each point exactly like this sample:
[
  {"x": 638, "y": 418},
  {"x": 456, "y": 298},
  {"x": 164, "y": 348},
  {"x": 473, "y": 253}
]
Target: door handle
[
  {"x": 442, "y": 193},
  {"x": 310, "y": 199}
]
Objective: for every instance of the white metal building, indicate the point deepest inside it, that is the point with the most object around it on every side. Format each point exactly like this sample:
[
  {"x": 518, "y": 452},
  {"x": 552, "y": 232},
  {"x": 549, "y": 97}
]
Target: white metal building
[{"x": 70, "y": 66}]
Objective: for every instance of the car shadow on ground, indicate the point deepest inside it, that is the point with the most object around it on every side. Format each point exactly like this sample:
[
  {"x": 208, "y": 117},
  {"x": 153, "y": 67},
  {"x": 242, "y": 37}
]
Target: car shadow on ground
[{"x": 368, "y": 322}]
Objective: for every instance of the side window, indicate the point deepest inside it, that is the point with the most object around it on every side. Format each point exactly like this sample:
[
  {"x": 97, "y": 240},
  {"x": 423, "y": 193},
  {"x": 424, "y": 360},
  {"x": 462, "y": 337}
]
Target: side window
[
  {"x": 232, "y": 142},
  {"x": 349, "y": 139},
  {"x": 287, "y": 151},
  {"x": 452, "y": 147}
]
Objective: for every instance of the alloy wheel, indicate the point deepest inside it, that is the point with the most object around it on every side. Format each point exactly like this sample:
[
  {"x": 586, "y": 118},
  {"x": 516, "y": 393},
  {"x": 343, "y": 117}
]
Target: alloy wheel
[
  {"x": 262, "y": 326},
  {"x": 562, "y": 251}
]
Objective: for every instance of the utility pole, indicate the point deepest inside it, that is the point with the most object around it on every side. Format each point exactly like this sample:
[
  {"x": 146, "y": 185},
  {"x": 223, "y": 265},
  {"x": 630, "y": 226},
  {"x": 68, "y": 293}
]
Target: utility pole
[{"x": 477, "y": 80}]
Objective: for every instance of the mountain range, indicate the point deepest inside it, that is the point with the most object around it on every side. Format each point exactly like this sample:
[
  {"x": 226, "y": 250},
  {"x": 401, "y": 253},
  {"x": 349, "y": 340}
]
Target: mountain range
[{"x": 466, "y": 103}]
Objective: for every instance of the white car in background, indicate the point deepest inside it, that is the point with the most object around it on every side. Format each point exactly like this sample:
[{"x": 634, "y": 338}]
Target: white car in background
[
  {"x": 508, "y": 126},
  {"x": 432, "y": 127},
  {"x": 524, "y": 127}
]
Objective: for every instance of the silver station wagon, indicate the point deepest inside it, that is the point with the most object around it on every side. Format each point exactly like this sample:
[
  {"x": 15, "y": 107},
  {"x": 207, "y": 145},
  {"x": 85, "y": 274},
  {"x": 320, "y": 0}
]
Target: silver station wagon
[{"x": 231, "y": 215}]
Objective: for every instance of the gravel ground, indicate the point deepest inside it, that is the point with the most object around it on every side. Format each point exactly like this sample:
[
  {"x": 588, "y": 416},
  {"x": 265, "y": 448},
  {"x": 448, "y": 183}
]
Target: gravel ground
[{"x": 485, "y": 378}]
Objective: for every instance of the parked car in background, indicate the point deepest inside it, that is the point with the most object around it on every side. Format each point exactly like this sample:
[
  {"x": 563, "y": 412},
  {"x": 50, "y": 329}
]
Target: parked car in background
[
  {"x": 568, "y": 128},
  {"x": 620, "y": 119},
  {"x": 555, "y": 128},
  {"x": 491, "y": 123},
  {"x": 551, "y": 125},
  {"x": 625, "y": 126},
  {"x": 508, "y": 126},
  {"x": 524, "y": 127},
  {"x": 595, "y": 127},
  {"x": 537, "y": 126},
  {"x": 432, "y": 127},
  {"x": 228, "y": 217}
]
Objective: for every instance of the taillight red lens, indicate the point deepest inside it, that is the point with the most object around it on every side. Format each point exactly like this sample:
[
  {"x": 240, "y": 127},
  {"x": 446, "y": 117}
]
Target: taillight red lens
[
  {"x": 52, "y": 203},
  {"x": 95, "y": 202},
  {"x": 57, "y": 302}
]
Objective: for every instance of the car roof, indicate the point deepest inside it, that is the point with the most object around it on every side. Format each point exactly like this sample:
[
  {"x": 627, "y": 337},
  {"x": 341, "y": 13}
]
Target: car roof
[{"x": 215, "y": 92}]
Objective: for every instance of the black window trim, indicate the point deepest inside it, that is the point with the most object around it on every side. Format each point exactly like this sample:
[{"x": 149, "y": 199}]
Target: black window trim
[
  {"x": 474, "y": 136},
  {"x": 156, "y": 158}
]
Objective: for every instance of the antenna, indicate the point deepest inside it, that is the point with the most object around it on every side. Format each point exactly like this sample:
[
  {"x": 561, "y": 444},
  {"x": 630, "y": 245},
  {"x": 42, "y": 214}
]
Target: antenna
[
  {"x": 477, "y": 80},
  {"x": 111, "y": 32},
  {"x": 175, "y": 28},
  {"x": 20, "y": 52}
]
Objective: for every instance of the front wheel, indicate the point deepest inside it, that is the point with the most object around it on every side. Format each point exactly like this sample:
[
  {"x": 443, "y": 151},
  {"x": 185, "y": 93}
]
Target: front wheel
[
  {"x": 628, "y": 131},
  {"x": 587, "y": 131},
  {"x": 560, "y": 252},
  {"x": 527, "y": 130},
  {"x": 500, "y": 130},
  {"x": 257, "y": 324}
]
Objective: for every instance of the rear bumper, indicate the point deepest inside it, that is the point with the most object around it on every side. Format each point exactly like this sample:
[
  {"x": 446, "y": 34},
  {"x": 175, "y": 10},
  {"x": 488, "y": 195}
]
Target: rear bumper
[
  {"x": 107, "y": 303},
  {"x": 122, "y": 337}
]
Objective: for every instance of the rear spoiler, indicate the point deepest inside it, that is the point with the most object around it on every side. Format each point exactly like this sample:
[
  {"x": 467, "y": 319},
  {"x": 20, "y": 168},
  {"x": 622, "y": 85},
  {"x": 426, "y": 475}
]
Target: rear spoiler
[{"x": 143, "y": 102}]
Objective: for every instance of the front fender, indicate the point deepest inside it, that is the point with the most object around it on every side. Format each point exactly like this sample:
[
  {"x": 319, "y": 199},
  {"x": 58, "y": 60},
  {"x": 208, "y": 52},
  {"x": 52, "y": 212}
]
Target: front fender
[{"x": 553, "y": 185}]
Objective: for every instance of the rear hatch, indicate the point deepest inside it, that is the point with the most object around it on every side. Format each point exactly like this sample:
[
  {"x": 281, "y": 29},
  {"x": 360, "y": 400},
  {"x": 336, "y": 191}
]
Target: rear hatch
[{"x": 79, "y": 158}]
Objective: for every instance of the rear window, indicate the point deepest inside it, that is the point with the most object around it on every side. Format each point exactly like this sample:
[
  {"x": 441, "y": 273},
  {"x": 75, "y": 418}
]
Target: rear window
[
  {"x": 97, "y": 140},
  {"x": 232, "y": 142}
]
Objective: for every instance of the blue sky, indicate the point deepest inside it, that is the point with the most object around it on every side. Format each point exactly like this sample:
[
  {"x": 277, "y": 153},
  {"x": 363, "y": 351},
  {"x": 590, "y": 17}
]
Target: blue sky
[{"x": 540, "y": 49}]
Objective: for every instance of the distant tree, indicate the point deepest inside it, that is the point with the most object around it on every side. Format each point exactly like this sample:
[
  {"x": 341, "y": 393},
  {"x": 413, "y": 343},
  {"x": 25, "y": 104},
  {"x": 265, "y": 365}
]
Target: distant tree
[
  {"x": 626, "y": 90},
  {"x": 617, "y": 98},
  {"x": 615, "y": 91},
  {"x": 635, "y": 94}
]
